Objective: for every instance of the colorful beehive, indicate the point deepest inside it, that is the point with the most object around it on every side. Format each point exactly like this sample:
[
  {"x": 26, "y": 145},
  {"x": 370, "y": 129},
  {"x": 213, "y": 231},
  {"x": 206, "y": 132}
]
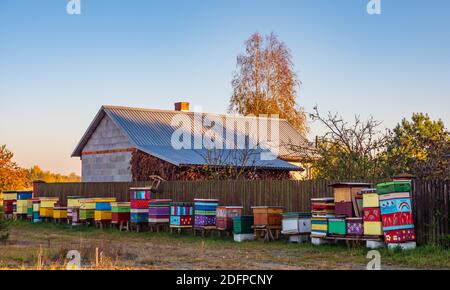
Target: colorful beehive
[
  {"x": 393, "y": 187},
  {"x": 337, "y": 226},
  {"x": 344, "y": 192},
  {"x": 120, "y": 212},
  {"x": 46, "y": 206},
  {"x": 344, "y": 208},
  {"x": 21, "y": 203},
  {"x": 372, "y": 217},
  {"x": 9, "y": 195},
  {"x": 323, "y": 207},
  {"x": 36, "y": 210},
  {"x": 87, "y": 209},
  {"x": 267, "y": 215},
  {"x": 21, "y": 207},
  {"x": 30, "y": 209},
  {"x": 159, "y": 211},
  {"x": 24, "y": 194},
  {"x": 242, "y": 225},
  {"x": 321, "y": 210},
  {"x": 9, "y": 198},
  {"x": 103, "y": 209},
  {"x": 181, "y": 214},
  {"x": 224, "y": 216},
  {"x": 396, "y": 211},
  {"x": 139, "y": 200},
  {"x": 296, "y": 223},
  {"x": 355, "y": 226},
  {"x": 319, "y": 226},
  {"x": 59, "y": 212},
  {"x": 205, "y": 212},
  {"x": 370, "y": 198},
  {"x": 73, "y": 204}
]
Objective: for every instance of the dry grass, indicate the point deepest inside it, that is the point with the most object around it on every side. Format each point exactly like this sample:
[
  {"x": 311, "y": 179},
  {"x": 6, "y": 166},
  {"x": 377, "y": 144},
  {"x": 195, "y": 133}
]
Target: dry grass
[{"x": 33, "y": 246}]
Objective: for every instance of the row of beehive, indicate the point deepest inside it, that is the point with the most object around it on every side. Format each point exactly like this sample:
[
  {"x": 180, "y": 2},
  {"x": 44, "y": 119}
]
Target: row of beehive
[{"x": 386, "y": 211}]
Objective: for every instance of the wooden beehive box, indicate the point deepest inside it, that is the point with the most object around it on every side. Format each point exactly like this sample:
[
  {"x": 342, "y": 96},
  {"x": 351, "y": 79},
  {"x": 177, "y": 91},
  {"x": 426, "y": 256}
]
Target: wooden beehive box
[
  {"x": 267, "y": 215},
  {"x": 345, "y": 191}
]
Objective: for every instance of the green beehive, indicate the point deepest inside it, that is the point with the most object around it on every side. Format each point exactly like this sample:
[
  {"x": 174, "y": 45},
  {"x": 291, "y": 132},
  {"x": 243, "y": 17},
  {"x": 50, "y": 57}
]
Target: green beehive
[
  {"x": 86, "y": 214},
  {"x": 395, "y": 186},
  {"x": 120, "y": 207},
  {"x": 337, "y": 227},
  {"x": 242, "y": 225}
]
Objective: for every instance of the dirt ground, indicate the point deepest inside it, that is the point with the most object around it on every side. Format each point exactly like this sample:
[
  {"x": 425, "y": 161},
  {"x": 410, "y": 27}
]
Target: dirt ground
[{"x": 45, "y": 246}]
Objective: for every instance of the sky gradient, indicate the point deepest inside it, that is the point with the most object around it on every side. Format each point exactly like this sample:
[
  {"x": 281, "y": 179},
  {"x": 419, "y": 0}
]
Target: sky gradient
[{"x": 56, "y": 70}]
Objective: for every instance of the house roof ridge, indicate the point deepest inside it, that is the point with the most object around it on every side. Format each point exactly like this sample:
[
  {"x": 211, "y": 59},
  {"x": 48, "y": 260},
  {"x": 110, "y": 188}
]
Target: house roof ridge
[{"x": 184, "y": 112}]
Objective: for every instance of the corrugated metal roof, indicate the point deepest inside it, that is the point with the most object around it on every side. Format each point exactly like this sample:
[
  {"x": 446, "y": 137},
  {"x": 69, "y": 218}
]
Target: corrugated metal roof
[
  {"x": 151, "y": 130},
  {"x": 225, "y": 157}
]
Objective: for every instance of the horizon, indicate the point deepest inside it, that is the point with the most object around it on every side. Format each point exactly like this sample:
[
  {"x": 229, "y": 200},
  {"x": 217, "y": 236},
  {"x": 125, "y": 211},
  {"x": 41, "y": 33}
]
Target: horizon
[{"x": 57, "y": 70}]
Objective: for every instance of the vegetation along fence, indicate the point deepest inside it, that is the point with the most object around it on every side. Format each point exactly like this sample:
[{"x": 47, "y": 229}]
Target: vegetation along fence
[{"x": 430, "y": 198}]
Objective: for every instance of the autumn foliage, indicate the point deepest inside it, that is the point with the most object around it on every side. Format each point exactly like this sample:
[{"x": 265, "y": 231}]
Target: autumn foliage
[{"x": 265, "y": 82}]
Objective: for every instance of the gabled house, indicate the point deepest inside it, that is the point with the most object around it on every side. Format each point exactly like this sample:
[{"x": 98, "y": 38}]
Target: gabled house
[{"x": 126, "y": 144}]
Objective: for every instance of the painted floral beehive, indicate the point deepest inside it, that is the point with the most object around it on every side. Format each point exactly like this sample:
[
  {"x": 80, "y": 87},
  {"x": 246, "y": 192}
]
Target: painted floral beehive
[
  {"x": 205, "y": 212},
  {"x": 396, "y": 211},
  {"x": 181, "y": 214}
]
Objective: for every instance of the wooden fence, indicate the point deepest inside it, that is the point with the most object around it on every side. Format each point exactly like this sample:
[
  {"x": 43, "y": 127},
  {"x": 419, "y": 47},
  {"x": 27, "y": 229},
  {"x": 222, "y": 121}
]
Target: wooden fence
[{"x": 430, "y": 198}]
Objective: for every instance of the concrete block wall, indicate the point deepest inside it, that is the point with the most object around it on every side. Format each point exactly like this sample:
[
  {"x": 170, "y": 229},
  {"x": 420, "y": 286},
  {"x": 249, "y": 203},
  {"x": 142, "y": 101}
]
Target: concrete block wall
[{"x": 105, "y": 167}]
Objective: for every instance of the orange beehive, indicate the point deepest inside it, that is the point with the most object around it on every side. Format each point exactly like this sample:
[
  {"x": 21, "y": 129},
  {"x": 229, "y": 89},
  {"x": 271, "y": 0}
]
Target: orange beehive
[{"x": 267, "y": 215}]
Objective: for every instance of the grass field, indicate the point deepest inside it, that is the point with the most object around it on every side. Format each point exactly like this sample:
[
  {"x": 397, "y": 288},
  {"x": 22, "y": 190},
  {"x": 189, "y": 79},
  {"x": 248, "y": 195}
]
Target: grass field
[{"x": 45, "y": 246}]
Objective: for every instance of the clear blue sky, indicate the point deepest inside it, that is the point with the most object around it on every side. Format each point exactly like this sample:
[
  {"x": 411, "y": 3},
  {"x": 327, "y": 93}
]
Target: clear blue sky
[{"x": 56, "y": 70}]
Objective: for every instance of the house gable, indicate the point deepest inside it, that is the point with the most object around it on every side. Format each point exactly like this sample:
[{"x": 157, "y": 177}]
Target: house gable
[{"x": 107, "y": 154}]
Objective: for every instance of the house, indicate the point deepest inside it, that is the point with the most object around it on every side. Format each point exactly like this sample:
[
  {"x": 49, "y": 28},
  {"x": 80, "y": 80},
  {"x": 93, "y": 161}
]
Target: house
[{"x": 126, "y": 144}]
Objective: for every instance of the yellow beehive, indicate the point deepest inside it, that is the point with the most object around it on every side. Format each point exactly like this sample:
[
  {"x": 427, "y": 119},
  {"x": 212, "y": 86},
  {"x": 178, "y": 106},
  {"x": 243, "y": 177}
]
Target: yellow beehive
[
  {"x": 87, "y": 203},
  {"x": 373, "y": 229},
  {"x": 48, "y": 202},
  {"x": 46, "y": 212},
  {"x": 21, "y": 206},
  {"x": 105, "y": 199},
  {"x": 371, "y": 200},
  {"x": 319, "y": 227},
  {"x": 59, "y": 213},
  {"x": 36, "y": 207},
  {"x": 73, "y": 202},
  {"x": 102, "y": 215},
  {"x": 10, "y": 196}
]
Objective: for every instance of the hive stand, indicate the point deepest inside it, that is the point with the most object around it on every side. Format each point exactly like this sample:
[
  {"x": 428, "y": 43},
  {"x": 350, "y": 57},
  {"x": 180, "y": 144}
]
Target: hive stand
[
  {"x": 87, "y": 222},
  {"x": 158, "y": 227},
  {"x": 179, "y": 230},
  {"x": 222, "y": 231},
  {"x": 21, "y": 217},
  {"x": 46, "y": 219},
  {"x": 268, "y": 233},
  {"x": 60, "y": 221},
  {"x": 138, "y": 227},
  {"x": 124, "y": 225},
  {"x": 204, "y": 231},
  {"x": 371, "y": 241},
  {"x": 102, "y": 224}
]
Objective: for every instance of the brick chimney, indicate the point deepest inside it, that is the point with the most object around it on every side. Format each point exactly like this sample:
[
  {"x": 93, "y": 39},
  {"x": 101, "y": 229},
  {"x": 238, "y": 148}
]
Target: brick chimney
[{"x": 182, "y": 106}]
